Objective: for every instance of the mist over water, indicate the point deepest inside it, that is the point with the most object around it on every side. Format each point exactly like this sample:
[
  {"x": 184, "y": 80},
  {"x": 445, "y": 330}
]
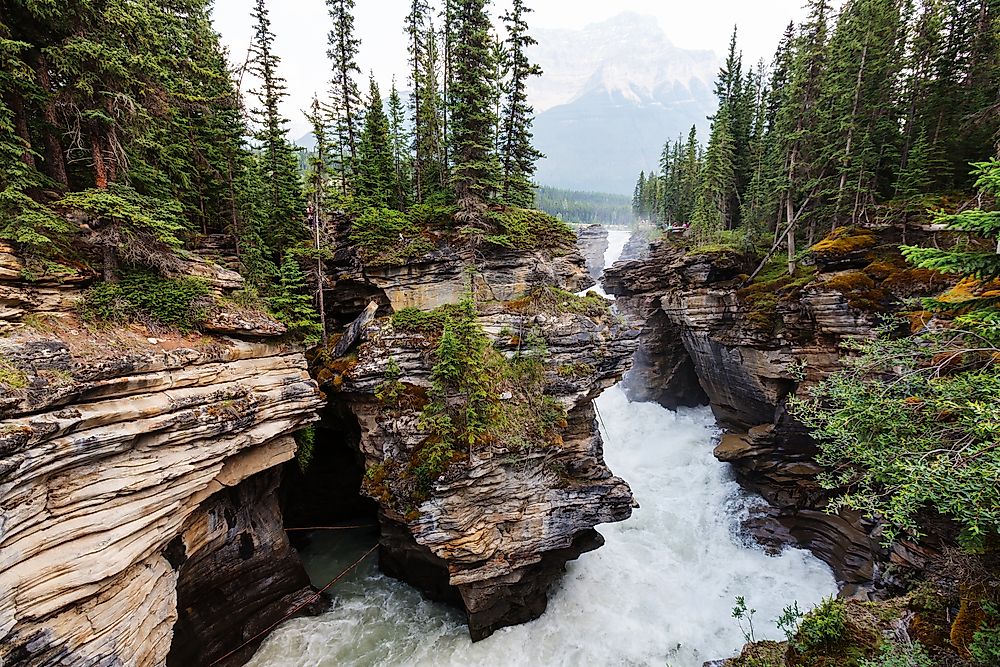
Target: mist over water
[{"x": 660, "y": 592}]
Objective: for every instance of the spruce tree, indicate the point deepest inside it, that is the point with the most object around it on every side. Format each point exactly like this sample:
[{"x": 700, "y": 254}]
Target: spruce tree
[
  {"x": 418, "y": 47},
  {"x": 518, "y": 155},
  {"x": 346, "y": 98},
  {"x": 403, "y": 193},
  {"x": 376, "y": 172},
  {"x": 476, "y": 170},
  {"x": 278, "y": 162}
]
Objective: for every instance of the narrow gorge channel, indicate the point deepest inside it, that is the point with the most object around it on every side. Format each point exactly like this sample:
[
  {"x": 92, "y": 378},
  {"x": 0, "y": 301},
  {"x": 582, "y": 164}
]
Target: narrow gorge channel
[{"x": 659, "y": 592}]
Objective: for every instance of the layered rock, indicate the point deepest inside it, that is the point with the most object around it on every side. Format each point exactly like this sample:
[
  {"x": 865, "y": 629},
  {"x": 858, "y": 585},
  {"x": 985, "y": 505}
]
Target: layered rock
[
  {"x": 592, "y": 242},
  {"x": 440, "y": 276},
  {"x": 752, "y": 345},
  {"x": 492, "y": 533},
  {"x": 134, "y": 483}
]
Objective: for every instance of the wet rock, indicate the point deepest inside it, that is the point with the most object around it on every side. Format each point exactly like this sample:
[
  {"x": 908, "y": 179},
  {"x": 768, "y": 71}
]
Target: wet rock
[{"x": 592, "y": 242}]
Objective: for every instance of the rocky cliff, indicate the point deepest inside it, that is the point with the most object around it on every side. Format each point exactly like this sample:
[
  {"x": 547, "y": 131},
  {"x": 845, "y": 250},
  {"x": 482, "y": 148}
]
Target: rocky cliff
[
  {"x": 137, "y": 483},
  {"x": 592, "y": 242},
  {"x": 713, "y": 334},
  {"x": 493, "y": 525}
]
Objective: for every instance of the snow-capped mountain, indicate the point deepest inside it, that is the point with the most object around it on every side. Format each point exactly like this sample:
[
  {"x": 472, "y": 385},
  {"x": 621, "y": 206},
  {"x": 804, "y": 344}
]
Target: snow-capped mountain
[{"x": 611, "y": 95}]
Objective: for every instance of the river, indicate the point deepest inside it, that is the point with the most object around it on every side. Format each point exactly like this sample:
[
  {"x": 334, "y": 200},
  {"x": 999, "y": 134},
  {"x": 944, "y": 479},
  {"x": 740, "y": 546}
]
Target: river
[{"x": 660, "y": 592}]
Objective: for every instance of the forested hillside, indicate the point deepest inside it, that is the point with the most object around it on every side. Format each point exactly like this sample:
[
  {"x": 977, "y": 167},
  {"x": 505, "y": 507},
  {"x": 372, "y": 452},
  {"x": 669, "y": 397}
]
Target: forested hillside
[
  {"x": 862, "y": 115},
  {"x": 126, "y": 144},
  {"x": 587, "y": 208}
]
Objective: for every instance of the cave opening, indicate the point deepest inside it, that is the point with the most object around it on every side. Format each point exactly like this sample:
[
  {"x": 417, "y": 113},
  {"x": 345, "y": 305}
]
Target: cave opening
[{"x": 324, "y": 507}]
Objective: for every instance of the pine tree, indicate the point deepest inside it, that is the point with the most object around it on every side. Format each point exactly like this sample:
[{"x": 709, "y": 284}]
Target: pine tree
[
  {"x": 290, "y": 302},
  {"x": 475, "y": 173},
  {"x": 400, "y": 141},
  {"x": 376, "y": 172},
  {"x": 419, "y": 40},
  {"x": 517, "y": 152},
  {"x": 346, "y": 98},
  {"x": 283, "y": 209}
]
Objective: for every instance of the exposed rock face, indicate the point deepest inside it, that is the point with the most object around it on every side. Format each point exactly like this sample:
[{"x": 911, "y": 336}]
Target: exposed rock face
[
  {"x": 123, "y": 459},
  {"x": 592, "y": 242},
  {"x": 439, "y": 277},
  {"x": 231, "y": 546},
  {"x": 497, "y": 528},
  {"x": 750, "y": 353}
]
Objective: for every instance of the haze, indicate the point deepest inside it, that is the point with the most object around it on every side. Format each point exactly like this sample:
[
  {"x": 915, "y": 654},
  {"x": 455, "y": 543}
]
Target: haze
[{"x": 301, "y": 27}]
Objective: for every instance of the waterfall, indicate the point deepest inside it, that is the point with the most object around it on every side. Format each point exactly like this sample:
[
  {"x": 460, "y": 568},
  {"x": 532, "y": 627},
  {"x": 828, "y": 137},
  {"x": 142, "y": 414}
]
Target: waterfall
[{"x": 660, "y": 591}]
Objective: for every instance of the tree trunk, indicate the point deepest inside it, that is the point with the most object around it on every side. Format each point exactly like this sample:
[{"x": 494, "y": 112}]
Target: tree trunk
[
  {"x": 16, "y": 103},
  {"x": 109, "y": 262},
  {"x": 850, "y": 135},
  {"x": 55, "y": 162},
  {"x": 100, "y": 168},
  {"x": 790, "y": 212}
]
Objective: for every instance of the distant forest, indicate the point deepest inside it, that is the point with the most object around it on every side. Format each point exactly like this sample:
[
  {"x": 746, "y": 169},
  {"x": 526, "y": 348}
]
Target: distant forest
[{"x": 585, "y": 207}]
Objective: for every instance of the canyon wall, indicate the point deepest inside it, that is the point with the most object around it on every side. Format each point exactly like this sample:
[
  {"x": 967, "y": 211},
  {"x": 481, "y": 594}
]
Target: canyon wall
[
  {"x": 137, "y": 483},
  {"x": 713, "y": 335}
]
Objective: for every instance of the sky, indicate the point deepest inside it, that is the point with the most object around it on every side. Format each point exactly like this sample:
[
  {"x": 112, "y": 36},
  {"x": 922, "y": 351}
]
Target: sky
[{"x": 301, "y": 28}]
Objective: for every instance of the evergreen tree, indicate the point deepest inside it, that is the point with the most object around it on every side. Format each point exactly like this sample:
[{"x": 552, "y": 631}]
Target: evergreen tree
[
  {"x": 346, "y": 98},
  {"x": 419, "y": 40},
  {"x": 517, "y": 152},
  {"x": 637, "y": 196},
  {"x": 475, "y": 173},
  {"x": 400, "y": 141},
  {"x": 376, "y": 171},
  {"x": 283, "y": 209},
  {"x": 983, "y": 266},
  {"x": 290, "y": 302}
]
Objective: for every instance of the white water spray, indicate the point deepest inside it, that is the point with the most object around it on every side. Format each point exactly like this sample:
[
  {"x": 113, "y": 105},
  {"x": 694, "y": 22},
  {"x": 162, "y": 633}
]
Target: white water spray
[{"x": 660, "y": 592}]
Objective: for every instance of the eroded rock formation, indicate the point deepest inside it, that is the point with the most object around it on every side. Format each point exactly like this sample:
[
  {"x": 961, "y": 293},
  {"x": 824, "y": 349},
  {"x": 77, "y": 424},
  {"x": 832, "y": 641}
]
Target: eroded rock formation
[
  {"x": 592, "y": 242},
  {"x": 493, "y": 532},
  {"x": 137, "y": 486}
]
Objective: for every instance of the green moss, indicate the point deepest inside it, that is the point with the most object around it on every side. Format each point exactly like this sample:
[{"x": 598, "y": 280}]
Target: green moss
[
  {"x": 526, "y": 229},
  {"x": 860, "y": 291},
  {"x": 427, "y": 322},
  {"x": 385, "y": 237},
  {"x": 575, "y": 370},
  {"x": 146, "y": 297},
  {"x": 12, "y": 377},
  {"x": 554, "y": 300},
  {"x": 770, "y": 289}
]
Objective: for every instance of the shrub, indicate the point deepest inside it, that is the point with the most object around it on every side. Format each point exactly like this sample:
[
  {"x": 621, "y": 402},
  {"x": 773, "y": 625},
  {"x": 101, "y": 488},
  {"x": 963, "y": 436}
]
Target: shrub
[
  {"x": 822, "y": 627},
  {"x": 386, "y": 237},
  {"x": 525, "y": 229},
  {"x": 306, "y": 441},
  {"x": 893, "y": 654},
  {"x": 147, "y": 297},
  {"x": 985, "y": 646},
  {"x": 911, "y": 424}
]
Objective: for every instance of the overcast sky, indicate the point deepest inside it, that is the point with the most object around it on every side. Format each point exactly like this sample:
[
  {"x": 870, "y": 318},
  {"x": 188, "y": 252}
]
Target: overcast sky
[{"x": 301, "y": 27}]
